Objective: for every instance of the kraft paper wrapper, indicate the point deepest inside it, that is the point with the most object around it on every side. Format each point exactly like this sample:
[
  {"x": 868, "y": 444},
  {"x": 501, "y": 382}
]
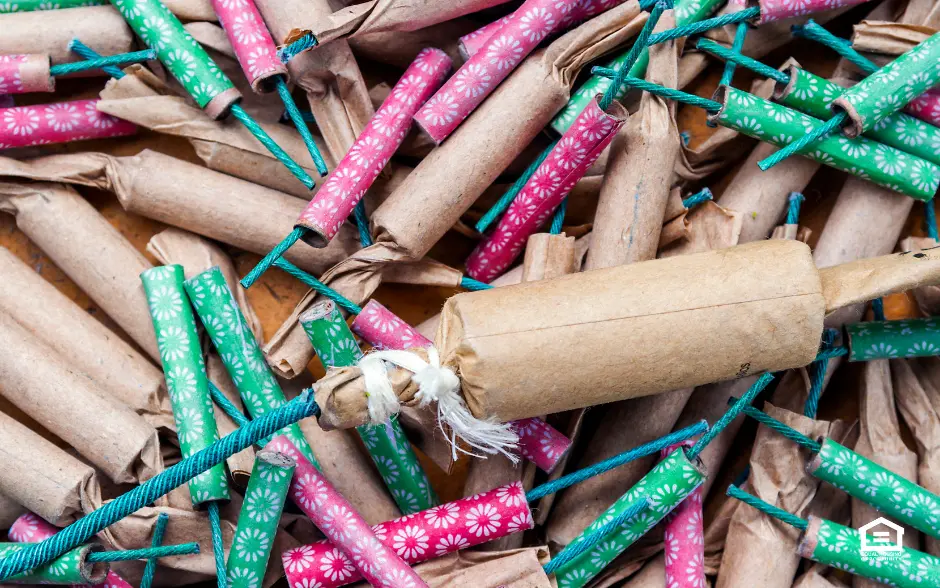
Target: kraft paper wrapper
[
  {"x": 336, "y": 93},
  {"x": 399, "y": 48},
  {"x": 880, "y": 441},
  {"x": 815, "y": 579},
  {"x": 928, "y": 297},
  {"x": 708, "y": 227},
  {"x": 517, "y": 568},
  {"x": 105, "y": 266},
  {"x": 91, "y": 347},
  {"x": 447, "y": 182},
  {"x": 777, "y": 476},
  {"x": 918, "y": 399},
  {"x": 888, "y": 38},
  {"x": 715, "y": 533},
  {"x": 49, "y": 31},
  {"x": 214, "y": 205},
  {"x": 66, "y": 402},
  {"x": 653, "y": 575},
  {"x": 225, "y": 146},
  {"x": 10, "y": 510},
  {"x": 925, "y": 12},
  {"x": 44, "y": 478},
  {"x": 637, "y": 182}
]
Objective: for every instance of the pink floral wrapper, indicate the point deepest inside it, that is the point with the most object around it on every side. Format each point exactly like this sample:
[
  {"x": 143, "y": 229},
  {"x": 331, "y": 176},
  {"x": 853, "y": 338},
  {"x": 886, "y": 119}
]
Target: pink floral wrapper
[
  {"x": 347, "y": 184},
  {"x": 576, "y": 151},
  {"x": 254, "y": 47},
  {"x": 684, "y": 540},
  {"x": 362, "y": 552},
  {"x": 479, "y": 75},
  {"x": 20, "y": 74},
  {"x": 539, "y": 442},
  {"x": 926, "y": 107},
  {"x": 29, "y": 528},
  {"x": 588, "y": 9},
  {"x": 471, "y": 43},
  {"x": 419, "y": 537},
  {"x": 62, "y": 122},
  {"x": 774, "y": 10}
]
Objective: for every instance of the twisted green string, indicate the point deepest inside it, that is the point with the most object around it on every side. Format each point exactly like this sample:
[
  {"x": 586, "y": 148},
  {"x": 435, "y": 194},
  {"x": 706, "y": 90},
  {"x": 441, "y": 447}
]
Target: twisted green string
[
  {"x": 736, "y": 408},
  {"x": 218, "y": 548},
  {"x": 145, "y": 553},
  {"x": 469, "y": 283},
  {"x": 622, "y": 72},
  {"x": 777, "y": 513},
  {"x": 86, "y": 52},
  {"x": 255, "y": 129},
  {"x": 671, "y": 93},
  {"x": 146, "y": 581},
  {"x": 318, "y": 286},
  {"x": 814, "y": 32},
  {"x": 275, "y": 254},
  {"x": 288, "y": 52},
  {"x": 793, "y": 208},
  {"x": 362, "y": 224},
  {"x": 696, "y": 28},
  {"x": 101, "y": 62},
  {"x": 930, "y": 219},
  {"x": 592, "y": 538},
  {"x": 227, "y": 406},
  {"x": 739, "y": 36},
  {"x": 651, "y": 448},
  {"x": 85, "y": 528},
  {"x": 878, "y": 309},
  {"x": 297, "y": 118},
  {"x": 788, "y": 432},
  {"x": 703, "y": 195},
  {"x": 820, "y": 132},
  {"x": 509, "y": 195},
  {"x": 730, "y": 56},
  {"x": 559, "y": 217},
  {"x": 817, "y": 371}
]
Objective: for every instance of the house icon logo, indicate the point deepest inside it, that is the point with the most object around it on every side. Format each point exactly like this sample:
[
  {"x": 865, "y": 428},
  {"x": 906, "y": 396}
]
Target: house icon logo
[{"x": 881, "y": 537}]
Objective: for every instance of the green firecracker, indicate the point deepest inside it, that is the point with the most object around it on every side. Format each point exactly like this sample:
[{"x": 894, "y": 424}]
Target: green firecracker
[
  {"x": 71, "y": 568},
  {"x": 31, "y": 5},
  {"x": 893, "y": 339}
]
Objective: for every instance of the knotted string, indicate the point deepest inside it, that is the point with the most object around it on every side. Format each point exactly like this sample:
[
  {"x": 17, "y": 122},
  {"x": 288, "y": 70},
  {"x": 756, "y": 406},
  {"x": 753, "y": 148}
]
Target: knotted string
[
  {"x": 710, "y": 106},
  {"x": 87, "y": 53},
  {"x": 736, "y": 46}
]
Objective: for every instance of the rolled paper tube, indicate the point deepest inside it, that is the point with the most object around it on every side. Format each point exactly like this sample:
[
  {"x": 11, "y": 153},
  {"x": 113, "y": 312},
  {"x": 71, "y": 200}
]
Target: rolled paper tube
[
  {"x": 254, "y": 48},
  {"x": 814, "y": 96},
  {"x": 833, "y": 545},
  {"x": 862, "y": 157},
  {"x": 419, "y": 537},
  {"x": 352, "y": 546},
  {"x": 61, "y": 122},
  {"x": 471, "y": 43},
  {"x": 577, "y": 150},
  {"x": 688, "y": 11},
  {"x": 890, "y": 88},
  {"x": 774, "y": 10},
  {"x": 877, "y": 486},
  {"x": 684, "y": 542},
  {"x": 29, "y": 528},
  {"x": 20, "y": 74},
  {"x": 479, "y": 75},
  {"x": 181, "y": 54},
  {"x": 185, "y": 373},
  {"x": 390, "y": 450},
  {"x": 258, "y": 519},
  {"x": 31, "y": 5},
  {"x": 223, "y": 319},
  {"x": 72, "y": 567},
  {"x": 539, "y": 442},
  {"x": 926, "y": 107},
  {"x": 666, "y": 486},
  {"x": 347, "y": 184},
  {"x": 893, "y": 339}
]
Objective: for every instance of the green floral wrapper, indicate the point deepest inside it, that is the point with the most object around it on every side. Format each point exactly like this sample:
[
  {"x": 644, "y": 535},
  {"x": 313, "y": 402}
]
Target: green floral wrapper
[
  {"x": 176, "y": 49},
  {"x": 258, "y": 519},
  {"x": 689, "y": 11},
  {"x": 841, "y": 547},
  {"x": 889, "y": 89},
  {"x": 861, "y": 157},
  {"x": 391, "y": 451},
  {"x": 185, "y": 374},
  {"x": 893, "y": 339},
  {"x": 667, "y": 484},
  {"x": 814, "y": 95},
  {"x": 31, "y": 5},
  {"x": 239, "y": 351},
  {"x": 70, "y": 568},
  {"x": 878, "y": 487}
]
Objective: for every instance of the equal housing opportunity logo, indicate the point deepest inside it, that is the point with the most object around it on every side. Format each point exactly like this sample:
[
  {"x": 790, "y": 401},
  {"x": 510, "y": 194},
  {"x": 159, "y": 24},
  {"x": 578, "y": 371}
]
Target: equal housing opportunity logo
[{"x": 881, "y": 539}]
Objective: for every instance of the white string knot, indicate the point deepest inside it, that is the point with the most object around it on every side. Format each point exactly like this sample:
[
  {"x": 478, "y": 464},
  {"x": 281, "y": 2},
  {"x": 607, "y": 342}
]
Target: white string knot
[{"x": 436, "y": 383}]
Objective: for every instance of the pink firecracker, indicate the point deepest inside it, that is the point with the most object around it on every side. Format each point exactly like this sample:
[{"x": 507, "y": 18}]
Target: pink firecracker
[
  {"x": 253, "y": 45},
  {"x": 926, "y": 107},
  {"x": 29, "y": 528},
  {"x": 774, "y": 10},
  {"x": 20, "y": 74},
  {"x": 478, "y": 77},
  {"x": 347, "y": 184},
  {"x": 419, "y": 537},
  {"x": 471, "y": 43},
  {"x": 539, "y": 442},
  {"x": 684, "y": 540},
  {"x": 570, "y": 158},
  {"x": 359, "y": 550},
  {"x": 62, "y": 122}
]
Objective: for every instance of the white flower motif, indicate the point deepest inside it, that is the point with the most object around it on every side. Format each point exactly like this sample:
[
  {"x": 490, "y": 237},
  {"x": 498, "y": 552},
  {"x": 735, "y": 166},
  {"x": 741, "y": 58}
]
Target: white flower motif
[
  {"x": 504, "y": 52},
  {"x": 390, "y": 120},
  {"x": 749, "y": 126},
  {"x": 854, "y": 149},
  {"x": 910, "y": 131},
  {"x": 410, "y": 543},
  {"x": 519, "y": 522},
  {"x": 450, "y": 544},
  {"x": 399, "y": 578},
  {"x": 336, "y": 567},
  {"x": 472, "y": 80},
  {"x": 889, "y": 161},
  {"x": 441, "y": 110},
  {"x": 173, "y": 343},
  {"x": 298, "y": 559},
  {"x": 252, "y": 545},
  {"x": 246, "y": 29},
  {"x": 263, "y": 504},
  {"x": 181, "y": 383},
  {"x": 339, "y": 520},
  {"x": 924, "y": 176},
  {"x": 165, "y": 303},
  {"x": 880, "y": 350},
  {"x": 259, "y": 60},
  {"x": 483, "y": 520},
  {"x": 409, "y": 88},
  {"x": 443, "y": 516},
  {"x": 807, "y": 89},
  {"x": 243, "y": 578},
  {"x": 536, "y": 24},
  {"x": 155, "y": 32},
  {"x": 62, "y": 117},
  {"x": 310, "y": 492},
  {"x": 182, "y": 64},
  {"x": 21, "y": 120}
]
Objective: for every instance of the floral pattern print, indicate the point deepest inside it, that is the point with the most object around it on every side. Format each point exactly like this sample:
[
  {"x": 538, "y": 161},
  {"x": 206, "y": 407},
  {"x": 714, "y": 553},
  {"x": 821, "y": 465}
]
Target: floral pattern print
[
  {"x": 471, "y": 43},
  {"x": 884, "y": 490},
  {"x": 506, "y": 45},
  {"x": 893, "y": 339},
  {"x": 926, "y": 107},
  {"x": 421, "y": 536},
  {"x": 31, "y": 5},
  {"x": 185, "y": 375},
  {"x": 338, "y": 196},
  {"x": 67, "y": 569},
  {"x": 176, "y": 49},
  {"x": 840, "y": 547},
  {"x": 257, "y": 521},
  {"x": 353, "y": 550},
  {"x": 239, "y": 351},
  {"x": 882, "y": 165},
  {"x": 577, "y": 150},
  {"x": 62, "y": 122},
  {"x": 20, "y": 74},
  {"x": 684, "y": 541},
  {"x": 675, "y": 473},
  {"x": 253, "y": 45},
  {"x": 774, "y": 10}
]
